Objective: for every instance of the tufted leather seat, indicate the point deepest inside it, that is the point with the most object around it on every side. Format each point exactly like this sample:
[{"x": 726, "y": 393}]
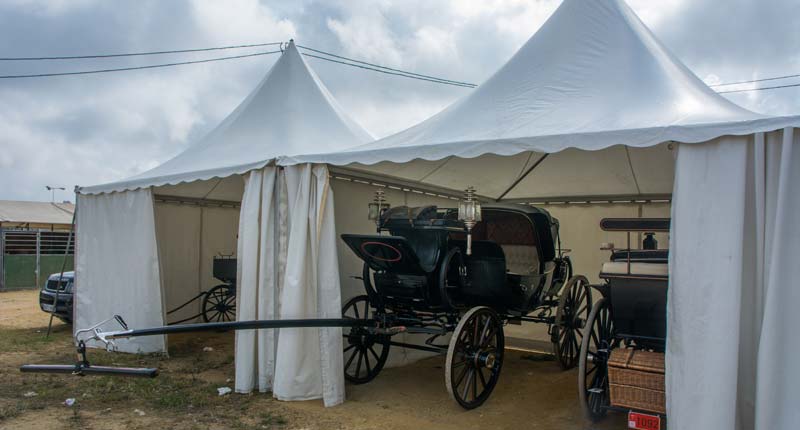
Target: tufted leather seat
[{"x": 521, "y": 259}]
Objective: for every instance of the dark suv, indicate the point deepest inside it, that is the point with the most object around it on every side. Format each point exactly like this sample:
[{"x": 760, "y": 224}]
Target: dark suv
[{"x": 48, "y": 294}]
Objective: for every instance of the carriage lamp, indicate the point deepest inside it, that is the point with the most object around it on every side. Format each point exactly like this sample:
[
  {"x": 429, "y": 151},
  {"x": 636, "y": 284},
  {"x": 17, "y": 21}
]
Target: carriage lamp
[
  {"x": 377, "y": 207},
  {"x": 469, "y": 212}
]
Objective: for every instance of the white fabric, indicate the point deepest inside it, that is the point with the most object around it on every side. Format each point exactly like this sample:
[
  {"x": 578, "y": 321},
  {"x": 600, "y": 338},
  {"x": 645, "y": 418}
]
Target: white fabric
[
  {"x": 257, "y": 287},
  {"x": 289, "y": 112},
  {"x": 178, "y": 229},
  {"x": 731, "y": 358},
  {"x": 592, "y": 78},
  {"x": 117, "y": 269},
  {"x": 309, "y": 361},
  {"x": 621, "y": 268}
]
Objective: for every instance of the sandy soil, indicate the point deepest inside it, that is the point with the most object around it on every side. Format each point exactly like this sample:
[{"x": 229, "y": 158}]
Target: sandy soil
[{"x": 532, "y": 391}]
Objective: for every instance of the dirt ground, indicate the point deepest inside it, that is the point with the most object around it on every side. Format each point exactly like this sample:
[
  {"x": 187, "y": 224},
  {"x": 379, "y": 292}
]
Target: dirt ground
[{"x": 532, "y": 392}]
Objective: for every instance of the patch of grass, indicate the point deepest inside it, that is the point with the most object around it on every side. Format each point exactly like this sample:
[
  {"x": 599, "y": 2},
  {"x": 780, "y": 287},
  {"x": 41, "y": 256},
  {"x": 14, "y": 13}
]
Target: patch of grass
[
  {"x": 31, "y": 340},
  {"x": 177, "y": 394},
  {"x": 9, "y": 411},
  {"x": 271, "y": 420}
]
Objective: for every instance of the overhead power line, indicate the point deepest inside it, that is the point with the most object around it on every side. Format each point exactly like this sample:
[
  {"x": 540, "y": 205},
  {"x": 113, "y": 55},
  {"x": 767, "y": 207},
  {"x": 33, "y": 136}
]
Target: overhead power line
[
  {"x": 121, "y": 69},
  {"x": 759, "y": 89},
  {"x": 136, "y": 54},
  {"x": 756, "y": 80},
  {"x": 459, "y": 83},
  {"x": 389, "y": 72},
  {"x": 327, "y": 56}
]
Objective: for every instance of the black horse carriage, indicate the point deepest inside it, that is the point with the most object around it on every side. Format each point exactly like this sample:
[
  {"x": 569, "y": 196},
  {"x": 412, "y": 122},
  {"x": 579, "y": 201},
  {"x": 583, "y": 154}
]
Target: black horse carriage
[
  {"x": 621, "y": 364},
  {"x": 429, "y": 276}
]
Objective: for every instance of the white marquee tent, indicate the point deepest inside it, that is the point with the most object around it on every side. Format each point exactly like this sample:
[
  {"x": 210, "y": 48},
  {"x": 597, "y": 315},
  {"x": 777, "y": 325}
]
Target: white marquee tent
[
  {"x": 146, "y": 243},
  {"x": 592, "y": 107}
]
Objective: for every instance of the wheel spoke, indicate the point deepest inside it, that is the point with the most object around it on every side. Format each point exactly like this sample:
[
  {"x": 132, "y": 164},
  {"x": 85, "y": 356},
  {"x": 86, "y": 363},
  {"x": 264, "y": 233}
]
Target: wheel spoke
[
  {"x": 377, "y": 358},
  {"x": 483, "y": 379},
  {"x": 358, "y": 363},
  {"x": 350, "y": 360},
  {"x": 366, "y": 362},
  {"x": 475, "y": 384},
  {"x": 460, "y": 379},
  {"x": 466, "y": 387},
  {"x": 484, "y": 338}
]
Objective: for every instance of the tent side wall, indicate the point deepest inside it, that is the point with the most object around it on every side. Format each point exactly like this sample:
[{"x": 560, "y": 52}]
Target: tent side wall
[{"x": 117, "y": 270}]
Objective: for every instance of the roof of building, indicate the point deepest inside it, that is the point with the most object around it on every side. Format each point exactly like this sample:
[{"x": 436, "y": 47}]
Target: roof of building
[{"x": 15, "y": 213}]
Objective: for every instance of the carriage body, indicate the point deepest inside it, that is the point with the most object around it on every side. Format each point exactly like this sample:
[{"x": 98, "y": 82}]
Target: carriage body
[
  {"x": 621, "y": 362},
  {"x": 420, "y": 278},
  {"x": 513, "y": 268}
]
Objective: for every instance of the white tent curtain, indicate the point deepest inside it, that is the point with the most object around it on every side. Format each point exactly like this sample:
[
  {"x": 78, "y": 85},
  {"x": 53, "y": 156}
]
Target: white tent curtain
[
  {"x": 117, "y": 270},
  {"x": 295, "y": 223},
  {"x": 733, "y": 298},
  {"x": 257, "y": 282}
]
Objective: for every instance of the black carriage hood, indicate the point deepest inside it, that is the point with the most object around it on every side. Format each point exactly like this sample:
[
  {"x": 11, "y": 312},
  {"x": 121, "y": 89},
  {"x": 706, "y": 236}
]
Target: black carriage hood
[{"x": 545, "y": 225}]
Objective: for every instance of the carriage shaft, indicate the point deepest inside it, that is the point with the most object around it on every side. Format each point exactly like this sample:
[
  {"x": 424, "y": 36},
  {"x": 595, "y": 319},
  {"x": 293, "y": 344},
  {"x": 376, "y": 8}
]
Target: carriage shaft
[{"x": 240, "y": 325}]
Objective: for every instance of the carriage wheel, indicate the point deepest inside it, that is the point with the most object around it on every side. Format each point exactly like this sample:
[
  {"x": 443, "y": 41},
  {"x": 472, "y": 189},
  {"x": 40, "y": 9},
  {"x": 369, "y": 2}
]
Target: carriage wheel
[
  {"x": 574, "y": 306},
  {"x": 365, "y": 353},
  {"x": 219, "y": 304},
  {"x": 598, "y": 340},
  {"x": 474, "y": 357}
]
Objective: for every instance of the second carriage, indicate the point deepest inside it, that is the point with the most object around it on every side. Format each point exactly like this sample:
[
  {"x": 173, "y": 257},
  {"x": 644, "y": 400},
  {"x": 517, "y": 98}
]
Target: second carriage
[{"x": 440, "y": 272}]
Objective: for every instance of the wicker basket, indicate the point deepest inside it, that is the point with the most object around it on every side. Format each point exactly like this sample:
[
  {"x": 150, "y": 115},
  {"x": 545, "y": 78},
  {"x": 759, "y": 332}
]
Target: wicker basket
[
  {"x": 636, "y": 380},
  {"x": 638, "y": 398}
]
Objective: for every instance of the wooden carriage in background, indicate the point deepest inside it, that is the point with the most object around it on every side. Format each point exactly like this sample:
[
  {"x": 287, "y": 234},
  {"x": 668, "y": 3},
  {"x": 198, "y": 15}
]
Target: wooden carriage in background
[{"x": 621, "y": 363}]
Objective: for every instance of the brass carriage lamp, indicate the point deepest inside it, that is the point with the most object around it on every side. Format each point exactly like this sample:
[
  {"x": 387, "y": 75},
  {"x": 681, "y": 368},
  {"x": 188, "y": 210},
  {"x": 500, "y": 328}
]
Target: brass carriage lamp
[
  {"x": 377, "y": 207},
  {"x": 469, "y": 212}
]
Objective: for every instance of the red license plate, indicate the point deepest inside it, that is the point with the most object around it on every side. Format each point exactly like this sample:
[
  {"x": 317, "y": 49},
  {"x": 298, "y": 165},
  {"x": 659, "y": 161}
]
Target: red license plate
[{"x": 640, "y": 421}]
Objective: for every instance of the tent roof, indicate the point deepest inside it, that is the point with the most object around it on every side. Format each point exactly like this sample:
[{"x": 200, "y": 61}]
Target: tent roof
[
  {"x": 289, "y": 112},
  {"x": 35, "y": 214},
  {"x": 592, "y": 77}
]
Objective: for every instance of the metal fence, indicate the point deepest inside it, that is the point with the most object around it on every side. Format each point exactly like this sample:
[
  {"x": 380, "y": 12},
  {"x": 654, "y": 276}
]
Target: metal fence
[{"x": 27, "y": 257}]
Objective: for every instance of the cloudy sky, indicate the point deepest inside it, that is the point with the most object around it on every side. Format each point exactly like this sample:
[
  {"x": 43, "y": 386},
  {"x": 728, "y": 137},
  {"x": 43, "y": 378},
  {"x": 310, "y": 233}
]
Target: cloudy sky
[{"x": 85, "y": 130}]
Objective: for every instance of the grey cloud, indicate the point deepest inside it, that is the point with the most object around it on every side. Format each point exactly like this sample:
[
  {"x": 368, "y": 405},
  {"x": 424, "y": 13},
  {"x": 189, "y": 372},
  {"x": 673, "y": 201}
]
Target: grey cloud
[{"x": 93, "y": 129}]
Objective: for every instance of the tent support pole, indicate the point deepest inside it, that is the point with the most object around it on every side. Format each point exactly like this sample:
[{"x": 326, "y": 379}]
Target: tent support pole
[
  {"x": 379, "y": 179},
  {"x": 596, "y": 199},
  {"x": 523, "y": 176}
]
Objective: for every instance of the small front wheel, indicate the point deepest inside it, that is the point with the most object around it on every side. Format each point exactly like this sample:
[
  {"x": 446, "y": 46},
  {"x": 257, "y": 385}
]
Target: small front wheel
[
  {"x": 475, "y": 357},
  {"x": 365, "y": 353}
]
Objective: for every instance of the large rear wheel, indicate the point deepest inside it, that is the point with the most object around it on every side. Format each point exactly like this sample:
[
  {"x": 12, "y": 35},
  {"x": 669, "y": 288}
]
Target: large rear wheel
[
  {"x": 475, "y": 357},
  {"x": 365, "y": 353},
  {"x": 574, "y": 306},
  {"x": 598, "y": 340}
]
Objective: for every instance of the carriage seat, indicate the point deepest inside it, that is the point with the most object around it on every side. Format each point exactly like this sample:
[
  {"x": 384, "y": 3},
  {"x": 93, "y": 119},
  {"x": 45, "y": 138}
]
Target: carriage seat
[
  {"x": 620, "y": 268},
  {"x": 521, "y": 259}
]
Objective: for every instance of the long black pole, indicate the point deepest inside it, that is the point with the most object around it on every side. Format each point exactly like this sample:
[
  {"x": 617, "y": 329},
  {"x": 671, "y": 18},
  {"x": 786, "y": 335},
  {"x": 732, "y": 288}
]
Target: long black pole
[{"x": 241, "y": 325}]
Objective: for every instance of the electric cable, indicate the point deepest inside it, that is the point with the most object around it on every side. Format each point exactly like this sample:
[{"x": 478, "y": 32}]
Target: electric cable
[
  {"x": 121, "y": 69},
  {"x": 136, "y": 54}
]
